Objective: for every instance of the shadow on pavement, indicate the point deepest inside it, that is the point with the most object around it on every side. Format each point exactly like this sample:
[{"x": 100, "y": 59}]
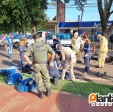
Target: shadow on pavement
[
  {"x": 17, "y": 62},
  {"x": 12, "y": 63},
  {"x": 4, "y": 55},
  {"x": 8, "y": 63}
]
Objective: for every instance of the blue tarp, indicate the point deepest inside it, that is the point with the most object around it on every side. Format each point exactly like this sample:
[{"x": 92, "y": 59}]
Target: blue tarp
[
  {"x": 27, "y": 85},
  {"x": 13, "y": 79}
]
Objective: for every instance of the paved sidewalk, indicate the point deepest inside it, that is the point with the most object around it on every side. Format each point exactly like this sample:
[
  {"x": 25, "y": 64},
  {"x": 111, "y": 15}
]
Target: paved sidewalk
[{"x": 14, "y": 101}]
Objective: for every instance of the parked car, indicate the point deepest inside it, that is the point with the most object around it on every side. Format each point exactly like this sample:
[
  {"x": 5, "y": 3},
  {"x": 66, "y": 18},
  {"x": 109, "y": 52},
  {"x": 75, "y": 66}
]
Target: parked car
[
  {"x": 1, "y": 43},
  {"x": 65, "y": 39},
  {"x": 17, "y": 40}
]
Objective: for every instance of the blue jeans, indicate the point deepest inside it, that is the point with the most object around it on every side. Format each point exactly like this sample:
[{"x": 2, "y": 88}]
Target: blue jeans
[{"x": 10, "y": 51}]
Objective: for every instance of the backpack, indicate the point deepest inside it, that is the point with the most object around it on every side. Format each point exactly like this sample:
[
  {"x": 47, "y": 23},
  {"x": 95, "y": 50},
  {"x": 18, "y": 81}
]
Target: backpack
[
  {"x": 13, "y": 79},
  {"x": 7, "y": 72},
  {"x": 27, "y": 85}
]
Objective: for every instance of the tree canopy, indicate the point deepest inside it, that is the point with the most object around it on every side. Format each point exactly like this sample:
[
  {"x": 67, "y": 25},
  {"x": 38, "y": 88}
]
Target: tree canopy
[{"x": 22, "y": 15}]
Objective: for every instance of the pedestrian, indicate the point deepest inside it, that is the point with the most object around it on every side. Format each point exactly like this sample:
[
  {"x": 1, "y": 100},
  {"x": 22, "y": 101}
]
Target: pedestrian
[
  {"x": 68, "y": 61},
  {"x": 4, "y": 41},
  {"x": 56, "y": 41},
  {"x": 10, "y": 45},
  {"x": 39, "y": 51},
  {"x": 21, "y": 36},
  {"x": 22, "y": 49},
  {"x": 76, "y": 43},
  {"x": 87, "y": 55},
  {"x": 103, "y": 50}
]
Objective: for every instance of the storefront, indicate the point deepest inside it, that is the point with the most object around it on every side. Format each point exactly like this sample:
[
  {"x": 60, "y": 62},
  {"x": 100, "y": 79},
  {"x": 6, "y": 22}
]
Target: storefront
[
  {"x": 52, "y": 26},
  {"x": 92, "y": 27}
]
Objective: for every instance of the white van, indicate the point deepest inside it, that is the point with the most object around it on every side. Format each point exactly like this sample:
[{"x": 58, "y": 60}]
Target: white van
[{"x": 43, "y": 35}]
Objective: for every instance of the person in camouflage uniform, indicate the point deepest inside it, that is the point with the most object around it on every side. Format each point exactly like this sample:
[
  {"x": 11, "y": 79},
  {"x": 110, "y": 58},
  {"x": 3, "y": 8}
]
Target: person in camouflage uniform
[{"x": 40, "y": 51}]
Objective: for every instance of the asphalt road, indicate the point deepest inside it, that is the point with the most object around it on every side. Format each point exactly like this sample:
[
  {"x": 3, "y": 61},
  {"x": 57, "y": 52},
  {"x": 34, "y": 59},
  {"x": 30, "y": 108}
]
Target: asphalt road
[{"x": 5, "y": 62}]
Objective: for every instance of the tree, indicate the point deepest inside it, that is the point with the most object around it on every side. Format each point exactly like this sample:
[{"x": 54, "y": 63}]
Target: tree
[
  {"x": 22, "y": 15},
  {"x": 105, "y": 13}
]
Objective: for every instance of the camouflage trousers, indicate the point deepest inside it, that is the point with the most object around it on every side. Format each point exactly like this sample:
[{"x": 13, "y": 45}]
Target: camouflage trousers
[
  {"x": 42, "y": 77},
  {"x": 69, "y": 64}
]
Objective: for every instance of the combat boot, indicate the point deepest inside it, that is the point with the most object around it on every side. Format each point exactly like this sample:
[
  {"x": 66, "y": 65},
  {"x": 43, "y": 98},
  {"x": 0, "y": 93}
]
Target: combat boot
[
  {"x": 41, "y": 95},
  {"x": 48, "y": 92},
  {"x": 55, "y": 81}
]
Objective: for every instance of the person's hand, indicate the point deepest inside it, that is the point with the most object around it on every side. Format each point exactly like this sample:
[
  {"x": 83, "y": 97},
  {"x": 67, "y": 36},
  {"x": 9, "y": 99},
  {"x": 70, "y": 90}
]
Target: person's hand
[
  {"x": 31, "y": 65},
  {"x": 81, "y": 50},
  {"x": 51, "y": 64},
  {"x": 86, "y": 55},
  {"x": 24, "y": 50}
]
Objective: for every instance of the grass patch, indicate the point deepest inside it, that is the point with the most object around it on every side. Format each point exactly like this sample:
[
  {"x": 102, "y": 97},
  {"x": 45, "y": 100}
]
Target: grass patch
[
  {"x": 2, "y": 79},
  {"x": 75, "y": 88},
  {"x": 83, "y": 88}
]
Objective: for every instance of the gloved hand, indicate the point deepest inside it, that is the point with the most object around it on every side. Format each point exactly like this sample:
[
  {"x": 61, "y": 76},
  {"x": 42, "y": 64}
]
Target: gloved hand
[
  {"x": 86, "y": 55},
  {"x": 62, "y": 63},
  {"x": 24, "y": 50},
  {"x": 51, "y": 64},
  {"x": 81, "y": 50},
  {"x": 31, "y": 66}
]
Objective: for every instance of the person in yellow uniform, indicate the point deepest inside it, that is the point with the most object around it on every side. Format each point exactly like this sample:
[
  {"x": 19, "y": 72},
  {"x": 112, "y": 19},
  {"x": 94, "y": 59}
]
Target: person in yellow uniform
[
  {"x": 103, "y": 50},
  {"x": 76, "y": 43}
]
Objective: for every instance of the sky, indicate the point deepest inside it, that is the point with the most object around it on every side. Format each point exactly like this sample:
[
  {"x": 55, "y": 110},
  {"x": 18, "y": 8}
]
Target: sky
[{"x": 71, "y": 12}]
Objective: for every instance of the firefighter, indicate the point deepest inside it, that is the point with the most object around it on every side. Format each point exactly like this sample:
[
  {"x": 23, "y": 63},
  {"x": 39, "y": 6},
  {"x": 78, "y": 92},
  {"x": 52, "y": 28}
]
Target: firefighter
[
  {"x": 103, "y": 50},
  {"x": 76, "y": 46}
]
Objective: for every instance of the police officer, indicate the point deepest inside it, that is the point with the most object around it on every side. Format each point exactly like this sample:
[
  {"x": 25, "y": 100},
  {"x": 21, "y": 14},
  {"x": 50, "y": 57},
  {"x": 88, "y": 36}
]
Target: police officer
[
  {"x": 22, "y": 48},
  {"x": 68, "y": 59},
  {"x": 103, "y": 50},
  {"x": 55, "y": 41},
  {"x": 40, "y": 51},
  {"x": 76, "y": 46}
]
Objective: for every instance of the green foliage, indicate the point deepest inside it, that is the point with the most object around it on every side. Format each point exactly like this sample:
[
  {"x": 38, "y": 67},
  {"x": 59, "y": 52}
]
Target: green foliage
[
  {"x": 22, "y": 15},
  {"x": 2, "y": 78}
]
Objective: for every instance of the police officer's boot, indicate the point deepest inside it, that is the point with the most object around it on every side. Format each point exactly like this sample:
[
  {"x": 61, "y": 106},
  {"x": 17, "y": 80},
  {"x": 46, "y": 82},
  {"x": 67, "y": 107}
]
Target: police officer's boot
[
  {"x": 48, "y": 92},
  {"x": 55, "y": 81},
  {"x": 41, "y": 95}
]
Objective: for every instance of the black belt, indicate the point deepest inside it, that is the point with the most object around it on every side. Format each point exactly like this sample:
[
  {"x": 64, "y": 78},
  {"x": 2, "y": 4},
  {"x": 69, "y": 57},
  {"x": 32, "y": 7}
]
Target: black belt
[{"x": 40, "y": 63}]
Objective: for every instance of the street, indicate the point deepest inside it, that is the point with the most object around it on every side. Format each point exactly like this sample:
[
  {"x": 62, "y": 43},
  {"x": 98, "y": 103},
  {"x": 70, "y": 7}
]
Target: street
[{"x": 78, "y": 69}]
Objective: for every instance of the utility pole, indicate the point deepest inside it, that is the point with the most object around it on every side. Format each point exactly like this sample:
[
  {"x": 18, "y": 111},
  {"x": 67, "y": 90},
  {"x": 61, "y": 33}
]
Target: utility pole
[
  {"x": 82, "y": 12},
  {"x": 58, "y": 10}
]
